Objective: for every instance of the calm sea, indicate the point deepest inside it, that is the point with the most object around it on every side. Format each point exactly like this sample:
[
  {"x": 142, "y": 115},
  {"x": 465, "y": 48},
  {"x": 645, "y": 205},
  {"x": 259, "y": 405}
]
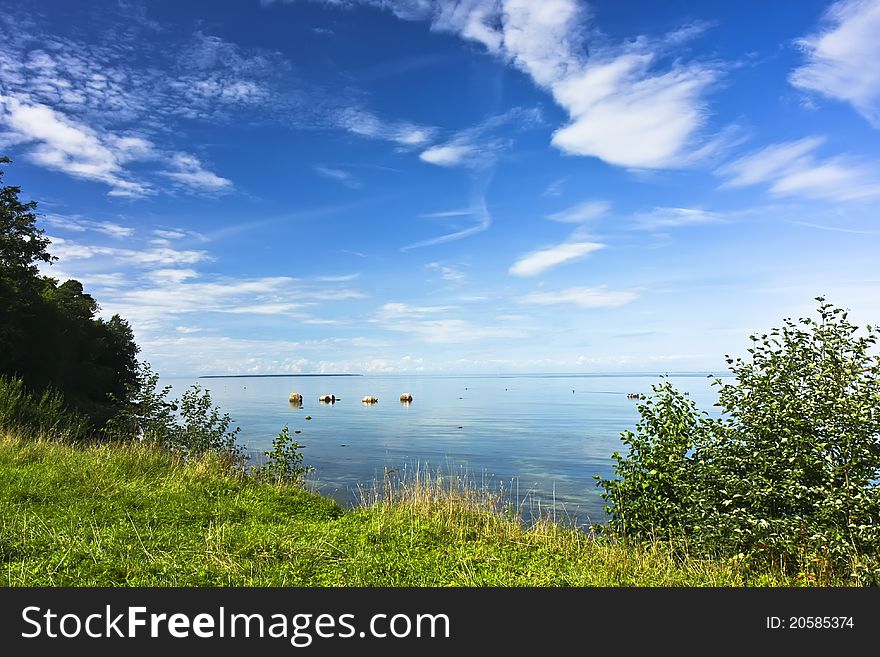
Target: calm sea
[{"x": 541, "y": 437}]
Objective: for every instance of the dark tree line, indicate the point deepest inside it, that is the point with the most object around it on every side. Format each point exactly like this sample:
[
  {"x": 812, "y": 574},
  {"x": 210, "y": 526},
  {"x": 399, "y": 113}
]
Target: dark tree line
[{"x": 50, "y": 334}]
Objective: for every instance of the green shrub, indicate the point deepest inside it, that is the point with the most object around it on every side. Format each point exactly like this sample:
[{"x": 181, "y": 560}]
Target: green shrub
[
  {"x": 189, "y": 426},
  {"x": 45, "y": 415},
  {"x": 285, "y": 461},
  {"x": 789, "y": 475}
]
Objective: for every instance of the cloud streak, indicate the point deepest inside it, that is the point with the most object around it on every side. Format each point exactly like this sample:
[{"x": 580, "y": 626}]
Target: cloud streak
[
  {"x": 537, "y": 262},
  {"x": 431, "y": 324},
  {"x": 482, "y": 221},
  {"x": 841, "y": 57},
  {"x": 793, "y": 169},
  {"x": 584, "y": 297}
]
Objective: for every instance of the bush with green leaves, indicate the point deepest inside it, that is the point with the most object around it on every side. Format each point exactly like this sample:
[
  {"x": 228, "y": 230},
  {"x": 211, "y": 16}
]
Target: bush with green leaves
[
  {"x": 790, "y": 473},
  {"x": 190, "y": 426},
  {"x": 285, "y": 461}
]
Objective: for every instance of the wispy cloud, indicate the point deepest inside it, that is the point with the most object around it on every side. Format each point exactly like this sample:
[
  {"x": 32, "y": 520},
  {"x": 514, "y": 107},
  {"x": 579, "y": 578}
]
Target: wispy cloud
[
  {"x": 364, "y": 123},
  {"x": 585, "y": 297},
  {"x": 188, "y": 170},
  {"x": 537, "y": 262},
  {"x": 339, "y": 175},
  {"x": 793, "y": 169},
  {"x": 169, "y": 234},
  {"x": 446, "y": 272},
  {"x": 342, "y": 278},
  {"x": 482, "y": 221},
  {"x": 835, "y": 229},
  {"x": 555, "y": 188},
  {"x": 582, "y": 212},
  {"x": 167, "y": 291},
  {"x": 432, "y": 324},
  {"x": 448, "y": 155},
  {"x": 69, "y": 250},
  {"x": 447, "y": 213},
  {"x": 77, "y": 224},
  {"x": 478, "y": 147},
  {"x": 674, "y": 218},
  {"x": 841, "y": 57}
]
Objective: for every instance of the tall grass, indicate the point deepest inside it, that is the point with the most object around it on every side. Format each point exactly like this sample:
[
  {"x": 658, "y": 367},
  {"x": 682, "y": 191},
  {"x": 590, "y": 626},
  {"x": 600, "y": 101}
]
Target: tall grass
[
  {"x": 45, "y": 414},
  {"x": 136, "y": 515}
]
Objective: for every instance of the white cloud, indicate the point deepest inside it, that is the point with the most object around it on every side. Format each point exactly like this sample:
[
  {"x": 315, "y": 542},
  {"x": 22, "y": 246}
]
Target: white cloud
[
  {"x": 70, "y": 99},
  {"x": 674, "y": 218},
  {"x": 625, "y": 105},
  {"x": 480, "y": 213},
  {"x": 195, "y": 351},
  {"x": 582, "y": 212},
  {"x": 770, "y": 162},
  {"x": 342, "y": 278},
  {"x": 69, "y": 250},
  {"x": 447, "y": 155},
  {"x": 793, "y": 169},
  {"x": 585, "y": 297},
  {"x": 447, "y": 273},
  {"x": 842, "y": 58},
  {"x": 475, "y": 147},
  {"x": 70, "y": 147},
  {"x": 366, "y": 124},
  {"x": 189, "y": 171},
  {"x": 114, "y": 230},
  {"x": 79, "y": 225},
  {"x": 625, "y": 114},
  {"x": 65, "y": 145},
  {"x": 172, "y": 295},
  {"x": 171, "y": 276},
  {"x": 447, "y": 213},
  {"x": 169, "y": 234},
  {"x": 339, "y": 175},
  {"x": 555, "y": 188},
  {"x": 428, "y": 324},
  {"x": 537, "y": 262}
]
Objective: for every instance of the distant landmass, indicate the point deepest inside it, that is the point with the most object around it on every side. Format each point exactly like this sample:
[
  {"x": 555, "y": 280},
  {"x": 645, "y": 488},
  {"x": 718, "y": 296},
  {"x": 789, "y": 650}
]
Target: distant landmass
[{"x": 264, "y": 376}]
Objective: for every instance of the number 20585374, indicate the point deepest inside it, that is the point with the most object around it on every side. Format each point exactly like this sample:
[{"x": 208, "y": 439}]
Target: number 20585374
[{"x": 810, "y": 623}]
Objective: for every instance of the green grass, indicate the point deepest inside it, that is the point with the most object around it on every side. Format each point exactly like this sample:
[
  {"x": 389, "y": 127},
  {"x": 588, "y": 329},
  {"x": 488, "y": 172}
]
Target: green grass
[{"x": 130, "y": 515}]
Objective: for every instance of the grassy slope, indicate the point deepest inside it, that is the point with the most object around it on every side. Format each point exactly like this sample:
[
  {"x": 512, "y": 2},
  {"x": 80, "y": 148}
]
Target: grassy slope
[{"x": 108, "y": 516}]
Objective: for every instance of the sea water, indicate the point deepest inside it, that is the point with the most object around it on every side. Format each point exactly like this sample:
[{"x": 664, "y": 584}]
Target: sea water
[{"x": 540, "y": 438}]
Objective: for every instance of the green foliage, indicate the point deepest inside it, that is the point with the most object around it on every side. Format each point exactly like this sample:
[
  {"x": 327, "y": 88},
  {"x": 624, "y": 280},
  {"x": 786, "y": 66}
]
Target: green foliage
[
  {"x": 285, "y": 461},
  {"x": 22, "y": 244},
  {"x": 203, "y": 428},
  {"x": 652, "y": 489},
  {"x": 44, "y": 415},
  {"x": 50, "y": 335},
  {"x": 791, "y": 472},
  {"x": 190, "y": 426}
]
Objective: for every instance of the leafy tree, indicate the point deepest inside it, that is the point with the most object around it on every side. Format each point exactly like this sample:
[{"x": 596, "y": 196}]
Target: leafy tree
[
  {"x": 22, "y": 244},
  {"x": 790, "y": 474},
  {"x": 22, "y": 247},
  {"x": 50, "y": 335}
]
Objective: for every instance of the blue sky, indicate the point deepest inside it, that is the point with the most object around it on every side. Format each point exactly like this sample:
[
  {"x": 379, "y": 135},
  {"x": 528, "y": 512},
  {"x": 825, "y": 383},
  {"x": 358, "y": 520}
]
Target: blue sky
[{"x": 438, "y": 186}]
